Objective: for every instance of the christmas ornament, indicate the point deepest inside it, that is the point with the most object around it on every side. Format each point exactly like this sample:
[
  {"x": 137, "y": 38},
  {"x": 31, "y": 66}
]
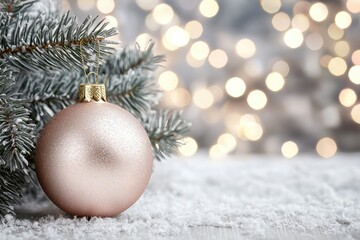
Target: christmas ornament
[{"x": 93, "y": 158}]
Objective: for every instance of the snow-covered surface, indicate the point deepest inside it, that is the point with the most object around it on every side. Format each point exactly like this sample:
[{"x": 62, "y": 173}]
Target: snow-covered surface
[{"x": 258, "y": 197}]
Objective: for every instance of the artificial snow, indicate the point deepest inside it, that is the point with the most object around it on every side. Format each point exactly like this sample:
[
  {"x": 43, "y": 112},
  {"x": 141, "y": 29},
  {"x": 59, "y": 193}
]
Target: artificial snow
[{"x": 256, "y": 196}]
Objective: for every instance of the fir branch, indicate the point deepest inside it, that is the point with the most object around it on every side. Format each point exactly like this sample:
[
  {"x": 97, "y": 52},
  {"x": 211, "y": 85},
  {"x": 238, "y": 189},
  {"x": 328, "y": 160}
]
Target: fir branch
[
  {"x": 165, "y": 130},
  {"x": 16, "y": 134},
  {"x": 15, "y": 6},
  {"x": 48, "y": 94},
  {"x": 10, "y": 189},
  {"x": 6, "y": 80},
  {"x": 135, "y": 91},
  {"x": 45, "y": 44},
  {"x": 131, "y": 58}
]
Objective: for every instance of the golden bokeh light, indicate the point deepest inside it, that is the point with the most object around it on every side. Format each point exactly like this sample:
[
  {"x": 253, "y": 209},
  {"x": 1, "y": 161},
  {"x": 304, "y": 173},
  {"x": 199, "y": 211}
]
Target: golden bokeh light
[
  {"x": 271, "y": 6},
  {"x": 281, "y": 67},
  {"x": 355, "y": 113},
  {"x": 199, "y": 50},
  {"x": 217, "y": 151},
  {"x": 189, "y": 147},
  {"x": 355, "y": 57},
  {"x": 175, "y": 37},
  {"x": 347, "y": 97},
  {"x": 194, "y": 62},
  {"x": 257, "y": 99},
  {"x": 337, "y": 66},
  {"x": 253, "y": 131},
  {"x": 293, "y": 38},
  {"x": 147, "y": 4},
  {"x": 314, "y": 41},
  {"x": 105, "y": 6},
  {"x": 143, "y": 40},
  {"x": 203, "y": 98},
  {"x": 342, "y": 48},
  {"x": 354, "y": 74},
  {"x": 85, "y": 5},
  {"x": 168, "y": 80},
  {"x": 325, "y": 60},
  {"x": 218, "y": 58},
  {"x": 318, "y": 12},
  {"x": 227, "y": 141},
  {"x": 180, "y": 97},
  {"x": 112, "y": 22},
  {"x": 301, "y": 22},
  {"x": 194, "y": 28},
  {"x": 335, "y": 32},
  {"x": 281, "y": 21},
  {"x": 163, "y": 13},
  {"x": 326, "y": 147},
  {"x": 343, "y": 19},
  {"x": 235, "y": 87},
  {"x": 275, "y": 81},
  {"x": 208, "y": 8},
  {"x": 289, "y": 149},
  {"x": 249, "y": 128},
  {"x": 353, "y": 6},
  {"x": 245, "y": 48}
]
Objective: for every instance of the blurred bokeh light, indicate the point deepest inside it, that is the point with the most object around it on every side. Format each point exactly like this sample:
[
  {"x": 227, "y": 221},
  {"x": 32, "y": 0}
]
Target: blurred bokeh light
[{"x": 268, "y": 76}]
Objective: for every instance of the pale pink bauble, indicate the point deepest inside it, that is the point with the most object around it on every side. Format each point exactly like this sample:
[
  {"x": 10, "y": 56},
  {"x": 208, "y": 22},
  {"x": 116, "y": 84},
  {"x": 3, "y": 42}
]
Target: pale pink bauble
[{"x": 93, "y": 159}]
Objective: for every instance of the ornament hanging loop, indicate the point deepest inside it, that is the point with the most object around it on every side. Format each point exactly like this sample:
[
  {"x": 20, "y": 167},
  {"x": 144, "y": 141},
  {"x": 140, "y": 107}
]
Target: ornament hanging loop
[
  {"x": 96, "y": 73},
  {"x": 91, "y": 91}
]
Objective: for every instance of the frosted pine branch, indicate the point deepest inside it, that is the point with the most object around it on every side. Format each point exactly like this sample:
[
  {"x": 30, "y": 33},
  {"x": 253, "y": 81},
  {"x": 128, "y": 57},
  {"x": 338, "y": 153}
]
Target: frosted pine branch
[
  {"x": 132, "y": 58},
  {"x": 44, "y": 44},
  {"x": 165, "y": 130},
  {"x": 16, "y": 134},
  {"x": 15, "y": 6}
]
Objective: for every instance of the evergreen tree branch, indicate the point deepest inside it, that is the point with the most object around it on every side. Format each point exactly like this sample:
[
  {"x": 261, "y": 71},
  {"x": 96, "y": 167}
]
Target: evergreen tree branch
[
  {"x": 15, "y": 6},
  {"x": 131, "y": 58},
  {"x": 44, "y": 44},
  {"x": 48, "y": 94},
  {"x": 165, "y": 130},
  {"x": 16, "y": 134},
  {"x": 135, "y": 91},
  {"x": 6, "y": 80},
  {"x": 10, "y": 189}
]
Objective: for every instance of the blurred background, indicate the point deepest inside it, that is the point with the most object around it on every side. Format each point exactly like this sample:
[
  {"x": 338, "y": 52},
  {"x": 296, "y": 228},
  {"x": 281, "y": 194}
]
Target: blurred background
[{"x": 269, "y": 76}]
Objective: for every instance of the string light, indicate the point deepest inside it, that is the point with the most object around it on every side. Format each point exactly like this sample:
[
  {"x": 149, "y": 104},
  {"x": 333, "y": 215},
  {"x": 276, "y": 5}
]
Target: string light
[
  {"x": 208, "y": 8},
  {"x": 235, "y": 87},
  {"x": 355, "y": 57},
  {"x": 281, "y": 21},
  {"x": 168, "y": 80},
  {"x": 245, "y": 48},
  {"x": 354, "y": 74},
  {"x": 281, "y": 67},
  {"x": 218, "y": 58},
  {"x": 343, "y": 19},
  {"x": 199, "y": 50},
  {"x": 347, "y": 97},
  {"x": 275, "y": 81},
  {"x": 314, "y": 41},
  {"x": 271, "y": 6},
  {"x": 318, "y": 12},
  {"x": 189, "y": 147},
  {"x": 203, "y": 98},
  {"x": 257, "y": 99},
  {"x": 194, "y": 28},
  {"x": 301, "y": 22},
  {"x": 86, "y": 5},
  {"x": 335, "y": 32},
  {"x": 147, "y": 4},
  {"x": 289, "y": 149},
  {"x": 326, "y": 147},
  {"x": 293, "y": 38},
  {"x": 337, "y": 66},
  {"x": 105, "y": 6},
  {"x": 342, "y": 48},
  {"x": 353, "y": 6},
  {"x": 355, "y": 113},
  {"x": 163, "y": 14}
]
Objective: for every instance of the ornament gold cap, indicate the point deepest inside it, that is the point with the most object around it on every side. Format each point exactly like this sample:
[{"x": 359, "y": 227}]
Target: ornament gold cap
[{"x": 89, "y": 92}]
